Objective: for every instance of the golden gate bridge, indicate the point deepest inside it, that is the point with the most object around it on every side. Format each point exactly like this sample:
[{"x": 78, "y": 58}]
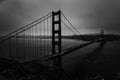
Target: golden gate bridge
[
  {"x": 41, "y": 29},
  {"x": 43, "y": 39}
]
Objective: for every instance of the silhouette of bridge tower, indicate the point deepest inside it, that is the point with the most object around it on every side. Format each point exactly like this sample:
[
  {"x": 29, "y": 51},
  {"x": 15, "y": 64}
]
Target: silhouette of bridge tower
[
  {"x": 102, "y": 33},
  {"x": 56, "y": 36}
]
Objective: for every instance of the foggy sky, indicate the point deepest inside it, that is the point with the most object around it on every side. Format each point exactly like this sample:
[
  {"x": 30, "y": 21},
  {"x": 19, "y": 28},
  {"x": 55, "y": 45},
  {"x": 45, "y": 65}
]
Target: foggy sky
[{"x": 88, "y": 16}]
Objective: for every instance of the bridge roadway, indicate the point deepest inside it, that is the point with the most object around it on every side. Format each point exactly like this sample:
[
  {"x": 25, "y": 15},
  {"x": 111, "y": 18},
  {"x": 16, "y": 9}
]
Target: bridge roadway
[
  {"x": 69, "y": 50},
  {"x": 64, "y": 52}
]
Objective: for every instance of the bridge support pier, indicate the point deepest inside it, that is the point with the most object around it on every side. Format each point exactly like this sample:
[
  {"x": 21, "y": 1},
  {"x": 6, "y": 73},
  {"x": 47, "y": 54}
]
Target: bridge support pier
[{"x": 56, "y": 37}]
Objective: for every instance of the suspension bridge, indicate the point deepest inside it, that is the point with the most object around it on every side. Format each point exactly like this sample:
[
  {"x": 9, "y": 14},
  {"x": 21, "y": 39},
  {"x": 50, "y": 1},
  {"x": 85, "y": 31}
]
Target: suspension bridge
[
  {"x": 42, "y": 39},
  {"x": 48, "y": 38}
]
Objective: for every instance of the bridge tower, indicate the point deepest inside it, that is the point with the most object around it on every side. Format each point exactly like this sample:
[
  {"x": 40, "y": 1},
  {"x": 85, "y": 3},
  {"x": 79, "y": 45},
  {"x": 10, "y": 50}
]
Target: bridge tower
[
  {"x": 56, "y": 36},
  {"x": 102, "y": 42},
  {"x": 102, "y": 33}
]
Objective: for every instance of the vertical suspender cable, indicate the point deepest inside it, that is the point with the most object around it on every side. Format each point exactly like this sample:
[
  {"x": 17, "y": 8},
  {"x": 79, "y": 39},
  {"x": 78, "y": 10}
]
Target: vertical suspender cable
[
  {"x": 30, "y": 46},
  {"x": 9, "y": 47},
  {"x": 16, "y": 45},
  {"x": 24, "y": 43},
  {"x": 34, "y": 29},
  {"x": 47, "y": 36},
  {"x": 0, "y": 49},
  {"x": 44, "y": 38},
  {"x": 37, "y": 33},
  {"x": 39, "y": 40}
]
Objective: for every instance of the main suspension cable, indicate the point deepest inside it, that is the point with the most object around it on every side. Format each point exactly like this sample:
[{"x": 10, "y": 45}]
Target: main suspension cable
[{"x": 70, "y": 23}]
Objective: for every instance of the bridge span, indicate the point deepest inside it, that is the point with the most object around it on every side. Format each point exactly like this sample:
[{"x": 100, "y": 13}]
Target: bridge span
[{"x": 43, "y": 41}]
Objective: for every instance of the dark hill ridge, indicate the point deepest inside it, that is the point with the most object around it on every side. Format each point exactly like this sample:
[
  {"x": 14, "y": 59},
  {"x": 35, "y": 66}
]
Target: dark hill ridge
[
  {"x": 90, "y": 37},
  {"x": 85, "y": 37}
]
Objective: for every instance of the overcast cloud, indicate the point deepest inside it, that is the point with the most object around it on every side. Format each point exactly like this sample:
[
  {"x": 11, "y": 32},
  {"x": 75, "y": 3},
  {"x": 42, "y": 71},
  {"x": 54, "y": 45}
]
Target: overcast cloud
[{"x": 87, "y": 15}]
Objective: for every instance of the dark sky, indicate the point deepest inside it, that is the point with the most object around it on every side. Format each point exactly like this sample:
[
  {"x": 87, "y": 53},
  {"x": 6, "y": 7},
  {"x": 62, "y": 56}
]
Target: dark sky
[{"x": 89, "y": 16}]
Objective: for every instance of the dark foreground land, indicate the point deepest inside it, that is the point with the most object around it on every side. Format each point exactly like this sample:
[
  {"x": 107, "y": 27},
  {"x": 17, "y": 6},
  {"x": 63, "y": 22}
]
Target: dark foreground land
[{"x": 14, "y": 70}]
